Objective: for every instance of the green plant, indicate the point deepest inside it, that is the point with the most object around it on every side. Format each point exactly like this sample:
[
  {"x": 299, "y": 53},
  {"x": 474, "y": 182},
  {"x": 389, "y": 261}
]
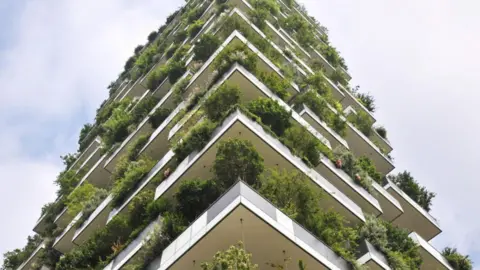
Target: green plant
[
  {"x": 277, "y": 84},
  {"x": 271, "y": 113},
  {"x": 158, "y": 116},
  {"x": 457, "y": 260},
  {"x": 205, "y": 47},
  {"x": 382, "y": 132},
  {"x": 176, "y": 70},
  {"x": 367, "y": 100},
  {"x": 145, "y": 59},
  {"x": 91, "y": 204},
  {"x": 13, "y": 259},
  {"x": 221, "y": 101},
  {"x": 137, "y": 214},
  {"x": 136, "y": 170},
  {"x": 362, "y": 121},
  {"x": 171, "y": 51},
  {"x": 134, "y": 149},
  {"x": 367, "y": 165},
  {"x": 308, "y": 147},
  {"x": 411, "y": 187},
  {"x": 237, "y": 160},
  {"x": 76, "y": 200},
  {"x": 196, "y": 140},
  {"x": 194, "y": 196},
  {"x": 400, "y": 243},
  {"x": 156, "y": 77},
  {"x": 194, "y": 28},
  {"x": 66, "y": 181},
  {"x": 180, "y": 36},
  {"x": 115, "y": 129},
  {"x": 235, "y": 257},
  {"x": 141, "y": 110},
  {"x": 234, "y": 54}
]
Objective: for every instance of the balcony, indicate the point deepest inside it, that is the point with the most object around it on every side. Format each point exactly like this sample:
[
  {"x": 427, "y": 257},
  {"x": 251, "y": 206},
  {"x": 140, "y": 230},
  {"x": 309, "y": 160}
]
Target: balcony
[
  {"x": 90, "y": 161},
  {"x": 63, "y": 219},
  {"x": 380, "y": 141},
  {"x": 243, "y": 215},
  {"x": 432, "y": 259},
  {"x": 322, "y": 127},
  {"x": 360, "y": 145},
  {"x": 97, "y": 175},
  {"x": 198, "y": 164},
  {"x": 63, "y": 242},
  {"x": 146, "y": 184},
  {"x": 414, "y": 217},
  {"x": 85, "y": 154},
  {"x": 350, "y": 100},
  {"x": 390, "y": 206},
  {"x": 96, "y": 221},
  {"x": 41, "y": 225},
  {"x": 371, "y": 258},
  {"x": 32, "y": 260}
]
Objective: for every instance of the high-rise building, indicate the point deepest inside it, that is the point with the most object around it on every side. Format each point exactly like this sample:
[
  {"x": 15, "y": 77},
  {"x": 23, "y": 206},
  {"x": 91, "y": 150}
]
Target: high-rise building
[{"x": 235, "y": 131}]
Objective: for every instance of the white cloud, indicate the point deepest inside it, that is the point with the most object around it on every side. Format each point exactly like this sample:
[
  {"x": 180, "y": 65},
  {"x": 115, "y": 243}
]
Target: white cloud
[
  {"x": 420, "y": 61},
  {"x": 54, "y": 75}
]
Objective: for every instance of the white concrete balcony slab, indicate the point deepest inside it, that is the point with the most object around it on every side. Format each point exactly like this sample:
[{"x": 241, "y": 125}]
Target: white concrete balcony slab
[
  {"x": 97, "y": 175},
  {"x": 329, "y": 68},
  {"x": 350, "y": 100},
  {"x": 32, "y": 260},
  {"x": 267, "y": 233},
  {"x": 432, "y": 259},
  {"x": 380, "y": 141},
  {"x": 346, "y": 73},
  {"x": 347, "y": 186},
  {"x": 414, "y": 217},
  {"x": 146, "y": 184},
  {"x": 206, "y": 26},
  {"x": 90, "y": 161},
  {"x": 136, "y": 90},
  {"x": 41, "y": 225},
  {"x": 237, "y": 125},
  {"x": 97, "y": 220},
  {"x": 391, "y": 207},
  {"x": 63, "y": 219},
  {"x": 372, "y": 258},
  {"x": 85, "y": 154},
  {"x": 322, "y": 127},
  {"x": 122, "y": 91},
  {"x": 360, "y": 145},
  {"x": 63, "y": 242}
]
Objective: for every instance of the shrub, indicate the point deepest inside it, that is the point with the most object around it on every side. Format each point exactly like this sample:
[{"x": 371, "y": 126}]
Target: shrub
[
  {"x": 382, "y": 132},
  {"x": 157, "y": 118},
  {"x": 170, "y": 52},
  {"x": 271, "y": 113},
  {"x": 221, "y": 101},
  {"x": 194, "y": 196},
  {"x": 308, "y": 147},
  {"x": 156, "y": 77},
  {"x": 411, "y": 187},
  {"x": 196, "y": 140},
  {"x": 66, "y": 181},
  {"x": 362, "y": 121},
  {"x": 236, "y": 257},
  {"x": 367, "y": 165},
  {"x": 152, "y": 36},
  {"x": 457, "y": 260},
  {"x": 77, "y": 199},
  {"x": 194, "y": 28},
  {"x": 237, "y": 159},
  {"x": 141, "y": 110},
  {"x": 375, "y": 232},
  {"x": 235, "y": 54},
  {"x": 205, "y": 47},
  {"x": 270, "y": 6},
  {"x": 400, "y": 242},
  {"x": 318, "y": 82},
  {"x": 138, "y": 49},
  {"x": 133, "y": 175},
  {"x": 137, "y": 145},
  {"x": 176, "y": 70},
  {"x": 258, "y": 17},
  {"x": 330, "y": 54},
  {"x": 181, "y": 52},
  {"x": 173, "y": 225},
  {"x": 91, "y": 204},
  {"x": 180, "y": 36},
  {"x": 138, "y": 215},
  {"x": 194, "y": 100},
  {"x": 115, "y": 129},
  {"x": 277, "y": 84},
  {"x": 145, "y": 59},
  {"x": 367, "y": 100}
]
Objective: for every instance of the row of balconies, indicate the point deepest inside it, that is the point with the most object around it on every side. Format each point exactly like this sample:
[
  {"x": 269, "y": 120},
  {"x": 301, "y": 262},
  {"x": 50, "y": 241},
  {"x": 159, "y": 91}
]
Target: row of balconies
[{"x": 345, "y": 196}]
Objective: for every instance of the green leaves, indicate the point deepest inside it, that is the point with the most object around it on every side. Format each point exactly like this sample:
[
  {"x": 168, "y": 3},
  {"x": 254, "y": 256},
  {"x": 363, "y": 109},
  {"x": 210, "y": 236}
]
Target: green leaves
[
  {"x": 419, "y": 194},
  {"x": 221, "y": 101},
  {"x": 205, "y": 47},
  {"x": 457, "y": 260},
  {"x": 271, "y": 113}
]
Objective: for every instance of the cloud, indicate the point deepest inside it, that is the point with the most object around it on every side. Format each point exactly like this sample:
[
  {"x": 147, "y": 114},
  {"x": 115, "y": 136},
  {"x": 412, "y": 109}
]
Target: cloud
[
  {"x": 54, "y": 69},
  {"x": 420, "y": 61}
]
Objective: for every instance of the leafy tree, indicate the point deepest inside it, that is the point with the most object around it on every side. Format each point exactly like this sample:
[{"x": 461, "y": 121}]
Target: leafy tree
[
  {"x": 457, "y": 260},
  {"x": 138, "y": 49},
  {"x": 235, "y": 257},
  {"x": 221, "y": 101},
  {"x": 142, "y": 108},
  {"x": 368, "y": 101},
  {"x": 157, "y": 118},
  {"x": 152, "y": 36},
  {"x": 194, "y": 28},
  {"x": 196, "y": 140},
  {"x": 271, "y": 113},
  {"x": 382, "y": 132},
  {"x": 66, "y": 181},
  {"x": 194, "y": 196},
  {"x": 237, "y": 159},
  {"x": 68, "y": 160},
  {"x": 156, "y": 77},
  {"x": 84, "y": 132},
  {"x": 77, "y": 199},
  {"x": 411, "y": 187},
  {"x": 205, "y": 47},
  {"x": 176, "y": 70},
  {"x": 362, "y": 121}
]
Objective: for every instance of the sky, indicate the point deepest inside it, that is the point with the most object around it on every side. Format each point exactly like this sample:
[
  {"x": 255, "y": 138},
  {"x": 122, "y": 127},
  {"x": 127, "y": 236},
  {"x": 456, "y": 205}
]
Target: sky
[{"x": 417, "y": 58}]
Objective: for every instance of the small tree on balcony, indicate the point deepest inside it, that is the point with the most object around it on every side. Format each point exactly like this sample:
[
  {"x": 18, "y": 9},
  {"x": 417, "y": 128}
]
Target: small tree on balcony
[
  {"x": 411, "y": 187},
  {"x": 457, "y": 260},
  {"x": 205, "y": 47}
]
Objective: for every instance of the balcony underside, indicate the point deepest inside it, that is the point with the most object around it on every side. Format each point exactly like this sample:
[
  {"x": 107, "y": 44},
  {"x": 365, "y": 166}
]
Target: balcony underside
[{"x": 432, "y": 259}]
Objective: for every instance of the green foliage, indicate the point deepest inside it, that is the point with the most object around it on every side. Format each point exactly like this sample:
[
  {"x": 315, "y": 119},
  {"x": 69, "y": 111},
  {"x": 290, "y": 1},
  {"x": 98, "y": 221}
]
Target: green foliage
[
  {"x": 195, "y": 27},
  {"x": 180, "y": 36},
  {"x": 157, "y": 118},
  {"x": 176, "y": 69},
  {"x": 235, "y": 257},
  {"x": 137, "y": 214},
  {"x": 134, "y": 149},
  {"x": 457, "y": 260},
  {"x": 196, "y": 140},
  {"x": 382, "y": 131},
  {"x": 142, "y": 108},
  {"x": 84, "y": 132},
  {"x": 13, "y": 259},
  {"x": 90, "y": 204},
  {"x": 240, "y": 54},
  {"x": 205, "y": 47},
  {"x": 400, "y": 243},
  {"x": 271, "y": 113},
  {"x": 138, "y": 49},
  {"x": 338, "y": 77},
  {"x": 258, "y": 16},
  {"x": 135, "y": 172},
  {"x": 360, "y": 170},
  {"x": 68, "y": 160},
  {"x": 194, "y": 196},
  {"x": 362, "y": 121},
  {"x": 145, "y": 60},
  {"x": 299, "y": 29},
  {"x": 221, "y": 101},
  {"x": 308, "y": 147},
  {"x": 237, "y": 160},
  {"x": 412, "y": 188},
  {"x": 331, "y": 54},
  {"x": 77, "y": 199},
  {"x": 152, "y": 36},
  {"x": 66, "y": 181},
  {"x": 318, "y": 82},
  {"x": 156, "y": 77},
  {"x": 277, "y": 84},
  {"x": 173, "y": 224},
  {"x": 367, "y": 100},
  {"x": 194, "y": 14},
  {"x": 170, "y": 52},
  {"x": 375, "y": 232},
  {"x": 367, "y": 166}
]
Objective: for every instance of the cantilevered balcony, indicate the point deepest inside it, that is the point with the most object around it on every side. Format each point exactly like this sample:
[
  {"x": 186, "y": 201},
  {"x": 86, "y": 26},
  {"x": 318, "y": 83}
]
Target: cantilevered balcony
[
  {"x": 371, "y": 258},
  {"x": 90, "y": 161},
  {"x": 414, "y": 217},
  {"x": 31, "y": 262},
  {"x": 97, "y": 175},
  {"x": 350, "y": 100},
  {"x": 41, "y": 225},
  {"x": 360, "y": 145},
  {"x": 96, "y": 221},
  {"x": 63, "y": 242},
  {"x": 267, "y": 233},
  {"x": 432, "y": 259},
  {"x": 390, "y": 206},
  {"x": 380, "y": 141},
  {"x": 136, "y": 90},
  {"x": 166, "y": 162},
  {"x": 63, "y": 219},
  {"x": 85, "y": 154},
  {"x": 237, "y": 125}
]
